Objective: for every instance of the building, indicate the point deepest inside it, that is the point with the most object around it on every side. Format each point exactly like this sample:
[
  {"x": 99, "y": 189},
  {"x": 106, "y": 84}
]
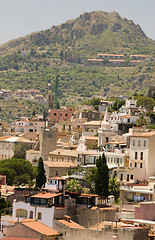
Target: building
[
  {"x": 8, "y": 143},
  {"x": 31, "y": 229},
  {"x": 25, "y": 126},
  {"x": 66, "y": 113},
  {"x": 39, "y": 206},
  {"x": 141, "y": 156}
]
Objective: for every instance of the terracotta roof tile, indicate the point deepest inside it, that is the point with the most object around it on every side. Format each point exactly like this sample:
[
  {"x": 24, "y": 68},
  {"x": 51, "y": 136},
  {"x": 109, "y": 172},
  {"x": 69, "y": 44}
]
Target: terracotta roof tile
[
  {"x": 46, "y": 195},
  {"x": 41, "y": 228},
  {"x": 19, "y": 238},
  {"x": 60, "y": 164},
  {"x": 70, "y": 224}
]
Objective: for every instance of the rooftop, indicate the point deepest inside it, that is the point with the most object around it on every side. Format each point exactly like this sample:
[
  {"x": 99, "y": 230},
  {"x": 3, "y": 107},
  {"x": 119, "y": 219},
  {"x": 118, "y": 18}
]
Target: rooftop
[
  {"x": 144, "y": 134},
  {"x": 60, "y": 164},
  {"x": 70, "y": 224},
  {"x": 40, "y": 227},
  {"x": 46, "y": 195}
]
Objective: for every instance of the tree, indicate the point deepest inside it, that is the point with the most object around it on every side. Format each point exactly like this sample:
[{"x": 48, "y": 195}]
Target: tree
[
  {"x": 41, "y": 177},
  {"x": 20, "y": 150},
  {"x": 74, "y": 186},
  {"x": 114, "y": 188},
  {"x": 17, "y": 171},
  {"x": 141, "y": 121},
  {"x": 102, "y": 177}
]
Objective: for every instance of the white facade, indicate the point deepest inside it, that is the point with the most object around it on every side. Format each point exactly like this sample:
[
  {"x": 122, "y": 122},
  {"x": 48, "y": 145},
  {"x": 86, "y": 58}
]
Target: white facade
[
  {"x": 47, "y": 214},
  {"x": 142, "y": 154},
  {"x": 115, "y": 159}
]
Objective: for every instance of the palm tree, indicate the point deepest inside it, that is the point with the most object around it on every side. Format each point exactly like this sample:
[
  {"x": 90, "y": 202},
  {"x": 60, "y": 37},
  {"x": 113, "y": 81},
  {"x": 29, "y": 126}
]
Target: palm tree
[
  {"x": 73, "y": 186},
  {"x": 114, "y": 188}
]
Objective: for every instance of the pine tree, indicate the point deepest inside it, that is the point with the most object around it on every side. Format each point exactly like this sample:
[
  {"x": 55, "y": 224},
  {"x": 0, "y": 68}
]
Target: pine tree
[
  {"x": 41, "y": 177},
  {"x": 102, "y": 177}
]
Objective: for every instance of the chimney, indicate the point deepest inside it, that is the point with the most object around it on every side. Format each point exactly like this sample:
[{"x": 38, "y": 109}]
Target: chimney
[{"x": 67, "y": 218}]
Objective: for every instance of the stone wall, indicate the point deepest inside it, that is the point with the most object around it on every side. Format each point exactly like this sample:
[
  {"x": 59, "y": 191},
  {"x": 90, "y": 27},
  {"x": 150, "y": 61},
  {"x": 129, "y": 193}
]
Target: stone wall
[
  {"x": 107, "y": 234},
  {"x": 89, "y": 217}
]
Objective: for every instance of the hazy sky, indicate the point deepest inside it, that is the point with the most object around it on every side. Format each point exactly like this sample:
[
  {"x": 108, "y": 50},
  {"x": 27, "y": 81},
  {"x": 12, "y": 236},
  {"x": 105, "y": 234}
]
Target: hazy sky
[{"x": 21, "y": 17}]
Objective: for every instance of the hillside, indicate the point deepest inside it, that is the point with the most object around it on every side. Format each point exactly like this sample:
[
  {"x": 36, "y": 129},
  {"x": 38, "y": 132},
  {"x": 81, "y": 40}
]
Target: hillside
[{"x": 33, "y": 61}]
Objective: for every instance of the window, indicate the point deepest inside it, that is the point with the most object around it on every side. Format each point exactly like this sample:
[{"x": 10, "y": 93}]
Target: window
[
  {"x": 22, "y": 130},
  {"x": 141, "y": 165},
  {"x": 127, "y": 178},
  {"x": 121, "y": 177},
  {"x": 70, "y": 109},
  {"x": 69, "y": 127},
  {"x": 36, "y": 200},
  {"x": 60, "y": 114},
  {"x": 120, "y": 160},
  {"x": 144, "y": 143},
  {"x": 21, "y": 213},
  {"x": 139, "y": 143},
  {"x": 130, "y": 164},
  {"x": 135, "y": 164},
  {"x": 66, "y": 114},
  {"x": 30, "y": 123},
  {"x": 112, "y": 160},
  {"x": 136, "y": 155},
  {"x": 30, "y": 130},
  {"x": 131, "y": 177},
  {"x": 55, "y": 114},
  {"x": 134, "y": 143},
  {"x": 63, "y": 127},
  {"x": 141, "y": 156},
  {"x": 39, "y": 215},
  {"x": 31, "y": 215}
]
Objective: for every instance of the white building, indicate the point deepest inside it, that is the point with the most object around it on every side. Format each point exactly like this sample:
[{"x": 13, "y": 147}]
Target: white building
[{"x": 142, "y": 154}]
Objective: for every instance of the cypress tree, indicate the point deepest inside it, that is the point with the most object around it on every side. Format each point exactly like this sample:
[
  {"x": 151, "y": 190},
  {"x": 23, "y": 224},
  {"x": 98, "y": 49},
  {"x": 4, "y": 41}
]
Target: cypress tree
[
  {"x": 41, "y": 177},
  {"x": 102, "y": 177}
]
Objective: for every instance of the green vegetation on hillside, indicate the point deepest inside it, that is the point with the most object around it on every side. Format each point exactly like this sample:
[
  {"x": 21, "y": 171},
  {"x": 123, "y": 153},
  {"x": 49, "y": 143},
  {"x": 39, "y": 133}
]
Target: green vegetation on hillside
[{"x": 33, "y": 61}]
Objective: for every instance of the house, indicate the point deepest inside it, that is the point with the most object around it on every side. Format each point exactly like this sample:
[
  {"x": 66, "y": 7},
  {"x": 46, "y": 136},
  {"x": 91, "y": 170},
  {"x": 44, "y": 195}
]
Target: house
[
  {"x": 58, "y": 168},
  {"x": 39, "y": 206},
  {"x": 56, "y": 184},
  {"x": 8, "y": 143},
  {"x": 138, "y": 192},
  {"x": 62, "y": 225},
  {"x": 31, "y": 229},
  {"x": 25, "y": 126},
  {"x": 141, "y": 156},
  {"x": 55, "y": 115}
]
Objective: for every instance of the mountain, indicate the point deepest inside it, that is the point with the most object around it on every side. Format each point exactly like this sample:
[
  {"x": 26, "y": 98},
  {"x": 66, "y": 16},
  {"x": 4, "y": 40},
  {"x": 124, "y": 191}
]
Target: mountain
[
  {"x": 34, "y": 60},
  {"x": 90, "y": 33}
]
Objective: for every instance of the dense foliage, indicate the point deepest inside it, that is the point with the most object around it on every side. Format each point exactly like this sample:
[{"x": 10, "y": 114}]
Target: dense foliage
[
  {"x": 17, "y": 171},
  {"x": 114, "y": 188},
  {"x": 73, "y": 186},
  {"x": 102, "y": 177},
  {"x": 41, "y": 177}
]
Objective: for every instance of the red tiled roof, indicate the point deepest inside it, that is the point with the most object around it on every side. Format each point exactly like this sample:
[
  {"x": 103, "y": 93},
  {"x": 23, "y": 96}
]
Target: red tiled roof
[
  {"x": 112, "y": 55},
  {"x": 19, "y": 238},
  {"x": 70, "y": 224},
  {"x": 46, "y": 195},
  {"x": 116, "y": 60},
  {"x": 59, "y": 164},
  {"x": 96, "y": 60},
  {"x": 41, "y": 228}
]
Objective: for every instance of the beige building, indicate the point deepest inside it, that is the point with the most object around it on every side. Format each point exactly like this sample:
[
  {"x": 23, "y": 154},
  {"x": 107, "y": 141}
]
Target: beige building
[
  {"x": 7, "y": 145},
  {"x": 142, "y": 155},
  {"x": 25, "y": 126}
]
